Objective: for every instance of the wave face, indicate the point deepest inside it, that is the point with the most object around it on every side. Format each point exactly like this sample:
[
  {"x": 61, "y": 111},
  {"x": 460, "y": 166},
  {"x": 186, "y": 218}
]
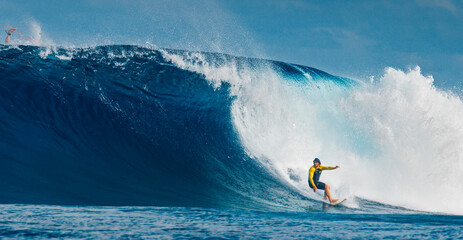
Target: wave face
[
  {"x": 120, "y": 125},
  {"x": 128, "y": 125}
]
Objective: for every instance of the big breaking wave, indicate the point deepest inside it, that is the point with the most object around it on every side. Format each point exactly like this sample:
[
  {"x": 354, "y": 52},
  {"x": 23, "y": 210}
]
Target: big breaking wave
[{"x": 127, "y": 125}]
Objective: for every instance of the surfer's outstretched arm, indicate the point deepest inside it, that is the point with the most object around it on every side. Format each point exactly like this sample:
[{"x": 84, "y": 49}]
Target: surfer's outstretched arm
[
  {"x": 8, "y": 34},
  {"x": 328, "y": 168}
]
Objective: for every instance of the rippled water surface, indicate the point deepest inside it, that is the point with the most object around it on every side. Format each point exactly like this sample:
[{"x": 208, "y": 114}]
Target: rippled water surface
[{"x": 36, "y": 221}]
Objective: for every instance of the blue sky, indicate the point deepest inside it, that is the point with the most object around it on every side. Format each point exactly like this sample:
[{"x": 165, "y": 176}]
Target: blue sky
[{"x": 348, "y": 38}]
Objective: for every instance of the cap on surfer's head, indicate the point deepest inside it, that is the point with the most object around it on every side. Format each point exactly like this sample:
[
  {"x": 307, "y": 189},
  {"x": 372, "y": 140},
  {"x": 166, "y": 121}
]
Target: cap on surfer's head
[{"x": 317, "y": 160}]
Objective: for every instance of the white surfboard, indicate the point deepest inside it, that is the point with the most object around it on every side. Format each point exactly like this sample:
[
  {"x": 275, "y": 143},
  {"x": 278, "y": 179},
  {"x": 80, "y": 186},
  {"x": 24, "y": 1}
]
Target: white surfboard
[{"x": 338, "y": 202}]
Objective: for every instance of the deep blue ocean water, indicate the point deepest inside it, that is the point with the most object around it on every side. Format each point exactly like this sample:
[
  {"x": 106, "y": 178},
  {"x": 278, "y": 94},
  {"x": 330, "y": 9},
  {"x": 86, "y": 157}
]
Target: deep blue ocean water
[
  {"x": 133, "y": 142},
  {"x": 34, "y": 221}
]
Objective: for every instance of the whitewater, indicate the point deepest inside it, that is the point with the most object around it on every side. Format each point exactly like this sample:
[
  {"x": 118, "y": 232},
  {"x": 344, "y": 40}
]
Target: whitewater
[
  {"x": 399, "y": 140},
  {"x": 146, "y": 133}
]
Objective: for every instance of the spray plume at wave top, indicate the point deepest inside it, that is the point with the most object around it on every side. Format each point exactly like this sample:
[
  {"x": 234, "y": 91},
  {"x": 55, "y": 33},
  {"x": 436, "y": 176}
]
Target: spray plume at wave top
[{"x": 398, "y": 141}]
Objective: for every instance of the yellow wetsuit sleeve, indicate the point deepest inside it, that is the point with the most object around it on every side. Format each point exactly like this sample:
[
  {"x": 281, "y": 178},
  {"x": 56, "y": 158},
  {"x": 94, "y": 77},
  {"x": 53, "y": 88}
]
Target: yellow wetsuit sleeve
[
  {"x": 311, "y": 171},
  {"x": 326, "y": 168}
]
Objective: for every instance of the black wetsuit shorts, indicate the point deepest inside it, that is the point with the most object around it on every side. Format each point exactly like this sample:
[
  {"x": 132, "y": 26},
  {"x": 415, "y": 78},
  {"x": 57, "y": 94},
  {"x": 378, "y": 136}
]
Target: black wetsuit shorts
[
  {"x": 320, "y": 185},
  {"x": 316, "y": 177}
]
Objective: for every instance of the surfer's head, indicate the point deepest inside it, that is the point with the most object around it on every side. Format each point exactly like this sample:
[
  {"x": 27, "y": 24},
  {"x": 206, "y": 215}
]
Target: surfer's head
[{"x": 316, "y": 162}]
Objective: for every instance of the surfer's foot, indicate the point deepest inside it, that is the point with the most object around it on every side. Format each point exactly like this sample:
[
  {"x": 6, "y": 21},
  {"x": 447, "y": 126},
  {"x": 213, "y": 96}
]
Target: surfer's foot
[{"x": 334, "y": 200}]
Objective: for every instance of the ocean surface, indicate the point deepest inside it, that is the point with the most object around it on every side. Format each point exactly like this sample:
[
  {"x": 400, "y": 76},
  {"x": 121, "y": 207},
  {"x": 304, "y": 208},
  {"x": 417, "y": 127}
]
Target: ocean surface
[
  {"x": 127, "y": 141},
  {"x": 32, "y": 221}
]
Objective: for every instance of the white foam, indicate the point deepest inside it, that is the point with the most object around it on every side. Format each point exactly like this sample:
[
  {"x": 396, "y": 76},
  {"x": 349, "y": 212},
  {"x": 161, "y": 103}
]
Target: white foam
[
  {"x": 418, "y": 137},
  {"x": 398, "y": 141}
]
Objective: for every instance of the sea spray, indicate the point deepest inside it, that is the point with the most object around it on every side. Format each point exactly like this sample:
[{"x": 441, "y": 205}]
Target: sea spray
[
  {"x": 398, "y": 141},
  {"x": 417, "y": 133}
]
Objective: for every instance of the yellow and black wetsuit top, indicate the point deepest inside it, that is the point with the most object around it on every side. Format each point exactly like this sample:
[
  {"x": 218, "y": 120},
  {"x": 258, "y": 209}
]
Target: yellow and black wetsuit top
[{"x": 314, "y": 174}]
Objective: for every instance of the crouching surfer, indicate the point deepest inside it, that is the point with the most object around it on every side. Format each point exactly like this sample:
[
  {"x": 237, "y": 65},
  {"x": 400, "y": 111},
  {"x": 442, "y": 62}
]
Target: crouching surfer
[{"x": 314, "y": 176}]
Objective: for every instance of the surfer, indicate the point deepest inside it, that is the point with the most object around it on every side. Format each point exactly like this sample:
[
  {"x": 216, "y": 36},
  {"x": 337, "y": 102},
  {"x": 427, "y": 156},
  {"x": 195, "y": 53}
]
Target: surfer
[
  {"x": 8, "y": 34},
  {"x": 314, "y": 176}
]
